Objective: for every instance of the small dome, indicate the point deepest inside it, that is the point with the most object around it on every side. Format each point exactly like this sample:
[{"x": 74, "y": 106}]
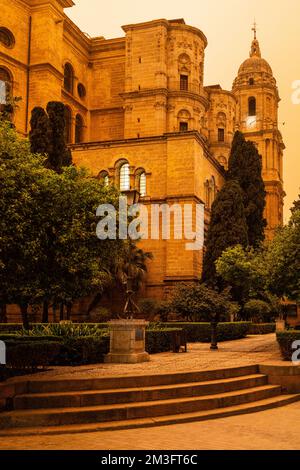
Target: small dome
[{"x": 255, "y": 63}]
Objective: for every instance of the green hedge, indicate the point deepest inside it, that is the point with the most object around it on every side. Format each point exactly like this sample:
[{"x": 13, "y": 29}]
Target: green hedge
[
  {"x": 158, "y": 341},
  {"x": 285, "y": 340},
  {"x": 201, "y": 332},
  {"x": 262, "y": 328},
  {"x": 22, "y": 355}
]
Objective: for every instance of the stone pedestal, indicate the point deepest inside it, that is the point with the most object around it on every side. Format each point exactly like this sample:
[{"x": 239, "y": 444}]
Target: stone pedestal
[{"x": 127, "y": 342}]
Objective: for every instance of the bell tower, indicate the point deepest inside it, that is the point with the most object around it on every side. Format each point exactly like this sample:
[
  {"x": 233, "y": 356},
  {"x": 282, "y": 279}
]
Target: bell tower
[{"x": 257, "y": 117}]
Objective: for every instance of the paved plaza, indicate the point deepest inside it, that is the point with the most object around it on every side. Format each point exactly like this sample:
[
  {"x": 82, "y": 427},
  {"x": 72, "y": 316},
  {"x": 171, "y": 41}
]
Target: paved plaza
[
  {"x": 247, "y": 351},
  {"x": 268, "y": 430}
]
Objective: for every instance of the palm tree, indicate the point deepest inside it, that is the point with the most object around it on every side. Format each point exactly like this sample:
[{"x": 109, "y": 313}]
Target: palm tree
[{"x": 131, "y": 263}]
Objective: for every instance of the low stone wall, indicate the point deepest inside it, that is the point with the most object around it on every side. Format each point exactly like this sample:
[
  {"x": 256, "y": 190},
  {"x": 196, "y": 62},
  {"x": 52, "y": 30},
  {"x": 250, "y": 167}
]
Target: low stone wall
[
  {"x": 9, "y": 389},
  {"x": 285, "y": 374}
]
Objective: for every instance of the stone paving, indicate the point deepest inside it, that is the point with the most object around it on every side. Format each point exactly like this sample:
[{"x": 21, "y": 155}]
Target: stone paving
[
  {"x": 250, "y": 350},
  {"x": 276, "y": 429},
  {"x": 272, "y": 429}
]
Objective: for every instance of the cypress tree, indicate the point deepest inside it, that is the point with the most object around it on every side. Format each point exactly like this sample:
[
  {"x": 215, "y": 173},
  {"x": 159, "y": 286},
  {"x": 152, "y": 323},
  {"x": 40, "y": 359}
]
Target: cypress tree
[
  {"x": 40, "y": 134},
  {"x": 245, "y": 166},
  {"x": 227, "y": 228},
  {"x": 59, "y": 156}
]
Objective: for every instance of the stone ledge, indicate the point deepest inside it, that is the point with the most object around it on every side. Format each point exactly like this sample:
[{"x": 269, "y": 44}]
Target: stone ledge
[{"x": 282, "y": 373}]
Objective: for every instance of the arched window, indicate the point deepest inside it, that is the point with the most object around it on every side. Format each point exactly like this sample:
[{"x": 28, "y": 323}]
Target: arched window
[
  {"x": 5, "y": 86},
  {"x": 104, "y": 177},
  {"x": 6, "y": 37},
  {"x": 252, "y": 106},
  {"x": 68, "y": 122},
  {"x": 78, "y": 129},
  {"x": 68, "y": 77},
  {"x": 142, "y": 184},
  {"x": 124, "y": 178},
  {"x": 81, "y": 91}
]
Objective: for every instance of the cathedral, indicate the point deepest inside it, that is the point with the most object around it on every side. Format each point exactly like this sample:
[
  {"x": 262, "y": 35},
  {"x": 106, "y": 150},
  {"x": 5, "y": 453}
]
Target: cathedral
[{"x": 139, "y": 116}]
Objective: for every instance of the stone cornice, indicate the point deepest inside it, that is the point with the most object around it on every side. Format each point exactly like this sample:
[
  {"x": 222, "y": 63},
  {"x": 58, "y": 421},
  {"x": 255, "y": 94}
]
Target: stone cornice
[
  {"x": 170, "y": 25},
  {"x": 49, "y": 67},
  {"x": 153, "y": 139}
]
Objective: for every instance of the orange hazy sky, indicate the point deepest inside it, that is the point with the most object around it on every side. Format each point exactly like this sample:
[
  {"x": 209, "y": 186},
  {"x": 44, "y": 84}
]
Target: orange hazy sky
[{"x": 227, "y": 25}]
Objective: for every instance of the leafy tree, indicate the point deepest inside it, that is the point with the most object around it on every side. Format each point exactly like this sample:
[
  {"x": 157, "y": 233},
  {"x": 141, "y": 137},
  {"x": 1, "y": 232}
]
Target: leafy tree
[
  {"x": 258, "y": 311},
  {"x": 197, "y": 302},
  {"x": 227, "y": 228},
  {"x": 283, "y": 259},
  {"x": 40, "y": 134},
  {"x": 245, "y": 166},
  {"x": 49, "y": 250},
  {"x": 59, "y": 154}
]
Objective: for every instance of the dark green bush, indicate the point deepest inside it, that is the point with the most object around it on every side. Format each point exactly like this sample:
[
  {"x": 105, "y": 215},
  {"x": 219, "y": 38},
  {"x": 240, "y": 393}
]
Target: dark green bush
[
  {"x": 198, "y": 303},
  {"x": 82, "y": 350},
  {"x": 30, "y": 354},
  {"x": 261, "y": 328},
  {"x": 285, "y": 340},
  {"x": 201, "y": 332},
  {"x": 159, "y": 340}
]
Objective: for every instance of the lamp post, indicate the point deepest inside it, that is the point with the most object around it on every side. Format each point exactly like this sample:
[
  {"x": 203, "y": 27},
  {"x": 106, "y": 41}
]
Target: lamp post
[{"x": 214, "y": 338}]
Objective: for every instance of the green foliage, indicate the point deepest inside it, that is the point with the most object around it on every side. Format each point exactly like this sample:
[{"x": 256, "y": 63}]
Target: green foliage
[
  {"x": 59, "y": 155},
  {"x": 245, "y": 167},
  {"x": 31, "y": 354},
  {"x": 100, "y": 315},
  {"x": 201, "y": 332},
  {"x": 285, "y": 340},
  {"x": 78, "y": 350},
  {"x": 227, "y": 228},
  {"x": 64, "y": 330},
  {"x": 196, "y": 302},
  {"x": 283, "y": 260},
  {"x": 49, "y": 250},
  {"x": 159, "y": 340},
  {"x": 262, "y": 328},
  {"x": 257, "y": 310},
  {"x": 40, "y": 134}
]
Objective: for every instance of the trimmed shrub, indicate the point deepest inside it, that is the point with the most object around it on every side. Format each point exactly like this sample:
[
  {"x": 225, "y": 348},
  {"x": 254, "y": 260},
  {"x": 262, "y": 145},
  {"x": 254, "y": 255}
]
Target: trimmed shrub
[
  {"x": 201, "y": 332},
  {"x": 30, "y": 355},
  {"x": 82, "y": 350},
  {"x": 285, "y": 340},
  {"x": 159, "y": 340},
  {"x": 261, "y": 328},
  {"x": 64, "y": 330}
]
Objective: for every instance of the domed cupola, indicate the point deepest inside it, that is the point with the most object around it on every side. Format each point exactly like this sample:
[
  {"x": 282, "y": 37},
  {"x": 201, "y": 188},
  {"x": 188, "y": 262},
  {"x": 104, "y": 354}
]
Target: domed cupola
[{"x": 254, "y": 70}]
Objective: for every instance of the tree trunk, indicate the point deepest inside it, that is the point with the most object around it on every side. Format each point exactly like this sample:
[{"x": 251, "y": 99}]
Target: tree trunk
[
  {"x": 61, "y": 311},
  {"x": 3, "y": 313},
  {"x": 45, "y": 317},
  {"x": 69, "y": 310},
  {"x": 54, "y": 307},
  {"x": 24, "y": 312}
]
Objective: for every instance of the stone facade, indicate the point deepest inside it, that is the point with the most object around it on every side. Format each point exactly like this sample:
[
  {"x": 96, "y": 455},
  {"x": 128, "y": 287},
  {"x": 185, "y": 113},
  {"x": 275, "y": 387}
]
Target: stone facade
[{"x": 140, "y": 100}]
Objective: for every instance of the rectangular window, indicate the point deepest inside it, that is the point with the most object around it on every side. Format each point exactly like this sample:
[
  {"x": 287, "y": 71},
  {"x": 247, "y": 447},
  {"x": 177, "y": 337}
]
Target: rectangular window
[
  {"x": 184, "y": 82},
  {"x": 221, "y": 135},
  {"x": 183, "y": 127}
]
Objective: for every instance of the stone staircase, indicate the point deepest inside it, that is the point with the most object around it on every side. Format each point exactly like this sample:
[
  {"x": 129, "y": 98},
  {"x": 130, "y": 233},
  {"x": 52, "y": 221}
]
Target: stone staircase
[{"x": 79, "y": 405}]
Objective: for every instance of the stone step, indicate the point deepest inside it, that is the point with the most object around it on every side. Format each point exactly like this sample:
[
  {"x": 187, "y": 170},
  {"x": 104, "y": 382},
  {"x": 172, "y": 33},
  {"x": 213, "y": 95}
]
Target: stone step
[
  {"x": 129, "y": 395},
  {"x": 257, "y": 406},
  {"x": 118, "y": 382},
  {"x": 121, "y": 412}
]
